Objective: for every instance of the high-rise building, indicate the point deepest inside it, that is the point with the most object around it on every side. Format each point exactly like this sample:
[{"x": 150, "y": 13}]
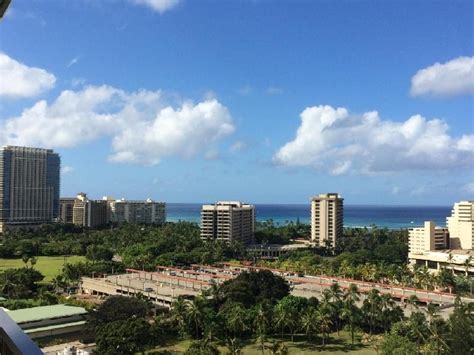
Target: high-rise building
[
  {"x": 140, "y": 212},
  {"x": 66, "y": 209},
  {"x": 89, "y": 213},
  {"x": 327, "y": 219},
  {"x": 29, "y": 186},
  {"x": 427, "y": 238},
  {"x": 461, "y": 225},
  {"x": 228, "y": 220}
]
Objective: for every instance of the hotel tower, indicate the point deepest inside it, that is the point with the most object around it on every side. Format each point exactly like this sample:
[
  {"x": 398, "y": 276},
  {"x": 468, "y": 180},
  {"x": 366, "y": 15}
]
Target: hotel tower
[
  {"x": 327, "y": 218},
  {"x": 29, "y": 186}
]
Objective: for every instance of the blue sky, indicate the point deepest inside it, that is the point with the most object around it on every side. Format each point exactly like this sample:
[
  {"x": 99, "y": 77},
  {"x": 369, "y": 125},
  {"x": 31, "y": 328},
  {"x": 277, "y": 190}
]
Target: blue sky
[{"x": 261, "y": 101}]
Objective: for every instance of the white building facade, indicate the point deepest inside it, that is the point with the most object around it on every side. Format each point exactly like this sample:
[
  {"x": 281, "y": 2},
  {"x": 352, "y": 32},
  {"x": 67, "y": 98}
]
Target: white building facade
[{"x": 140, "y": 212}]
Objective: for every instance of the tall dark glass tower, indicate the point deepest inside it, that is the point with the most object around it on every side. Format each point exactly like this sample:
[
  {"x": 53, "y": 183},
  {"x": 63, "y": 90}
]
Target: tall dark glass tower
[{"x": 29, "y": 186}]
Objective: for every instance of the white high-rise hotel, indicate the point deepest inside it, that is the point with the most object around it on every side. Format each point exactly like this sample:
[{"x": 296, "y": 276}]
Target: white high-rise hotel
[{"x": 327, "y": 219}]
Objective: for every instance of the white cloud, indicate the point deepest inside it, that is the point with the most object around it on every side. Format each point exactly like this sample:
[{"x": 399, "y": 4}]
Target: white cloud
[
  {"x": 66, "y": 169},
  {"x": 19, "y": 80},
  {"x": 455, "y": 77},
  {"x": 332, "y": 139},
  {"x": 75, "y": 82},
  {"x": 160, "y": 6},
  {"x": 237, "y": 146},
  {"x": 73, "y": 61},
  {"x": 142, "y": 127},
  {"x": 274, "y": 90}
]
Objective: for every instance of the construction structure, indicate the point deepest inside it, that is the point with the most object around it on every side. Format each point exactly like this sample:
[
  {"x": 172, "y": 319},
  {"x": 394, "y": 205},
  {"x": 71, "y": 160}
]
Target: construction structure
[
  {"x": 29, "y": 187},
  {"x": 327, "y": 219},
  {"x": 228, "y": 221}
]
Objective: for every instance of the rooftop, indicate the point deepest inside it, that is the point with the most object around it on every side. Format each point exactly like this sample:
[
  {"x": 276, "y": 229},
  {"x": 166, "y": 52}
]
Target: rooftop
[{"x": 45, "y": 312}]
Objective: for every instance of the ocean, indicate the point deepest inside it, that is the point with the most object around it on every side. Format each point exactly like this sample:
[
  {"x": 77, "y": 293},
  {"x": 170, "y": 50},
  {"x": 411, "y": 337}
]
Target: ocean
[{"x": 392, "y": 217}]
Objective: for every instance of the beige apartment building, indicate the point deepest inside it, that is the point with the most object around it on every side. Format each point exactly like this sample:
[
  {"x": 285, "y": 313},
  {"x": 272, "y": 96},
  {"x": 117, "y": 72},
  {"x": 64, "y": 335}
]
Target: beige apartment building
[
  {"x": 327, "y": 219},
  {"x": 83, "y": 212},
  {"x": 428, "y": 237},
  {"x": 89, "y": 213},
  {"x": 228, "y": 220},
  {"x": 29, "y": 186},
  {"x": 461, "y": 225},
  {"x": 140, "y": 212}
]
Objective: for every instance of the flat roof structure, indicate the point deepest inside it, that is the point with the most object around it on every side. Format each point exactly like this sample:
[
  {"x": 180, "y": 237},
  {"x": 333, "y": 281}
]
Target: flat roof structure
[{"x": 35, "y": 314}]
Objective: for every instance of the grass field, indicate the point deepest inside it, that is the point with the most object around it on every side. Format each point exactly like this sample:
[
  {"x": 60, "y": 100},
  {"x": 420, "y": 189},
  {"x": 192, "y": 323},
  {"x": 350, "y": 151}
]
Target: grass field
[
  {"x": 335, "y": 345},
  {"x": 49, "y": 266}
]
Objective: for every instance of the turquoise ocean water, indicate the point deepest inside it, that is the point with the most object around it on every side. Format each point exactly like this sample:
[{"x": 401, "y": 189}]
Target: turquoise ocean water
[{"x": 392, "y": 217}]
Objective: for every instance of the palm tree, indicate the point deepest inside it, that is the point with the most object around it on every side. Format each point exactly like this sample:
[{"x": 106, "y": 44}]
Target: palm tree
[
  {"x": 350, "y": 312},
  {"x": 445, "y": 279},
  {"x": 450, "y": 262},
  {"x": 335, "y": 295},
  {"x": 352, "y": 293},
  {"x": 467, "y": 265},
  {"x": 372, "y": 309},
  {"x": 413, "y": 302},
  {"x": 195, "y": 314},
  {"x": 260, "y": 324},
  {"x": 387, "y": 304},
  {"x": 324, "y": 322},
  {"x": 179, "y": 311},
  {"x": 432, "y": 312},
  {"x": 234, "y": 346},
  {"x": 236, "y": 319},
  {"x": 309, "y": 321}
]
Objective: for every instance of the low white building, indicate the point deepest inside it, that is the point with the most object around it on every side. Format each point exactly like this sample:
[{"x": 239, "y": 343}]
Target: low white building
[{"x": 460, "y": 261}]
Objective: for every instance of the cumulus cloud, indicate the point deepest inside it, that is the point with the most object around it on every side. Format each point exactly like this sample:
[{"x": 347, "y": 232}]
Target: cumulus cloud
[
  {"x": 455, "y": 77},
  {"x": 142, "y": 127},
  {"x": 334, "y": 140},
  {"x": 160, "y": 6},
  {"x": 19, "y": 80}
]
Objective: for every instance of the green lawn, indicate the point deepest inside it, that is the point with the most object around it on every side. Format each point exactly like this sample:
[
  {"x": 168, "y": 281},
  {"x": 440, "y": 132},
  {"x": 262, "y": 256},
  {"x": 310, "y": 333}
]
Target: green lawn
[
  {"x": 336, "y": 345},
  {"x": 49, "y": 266}
]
